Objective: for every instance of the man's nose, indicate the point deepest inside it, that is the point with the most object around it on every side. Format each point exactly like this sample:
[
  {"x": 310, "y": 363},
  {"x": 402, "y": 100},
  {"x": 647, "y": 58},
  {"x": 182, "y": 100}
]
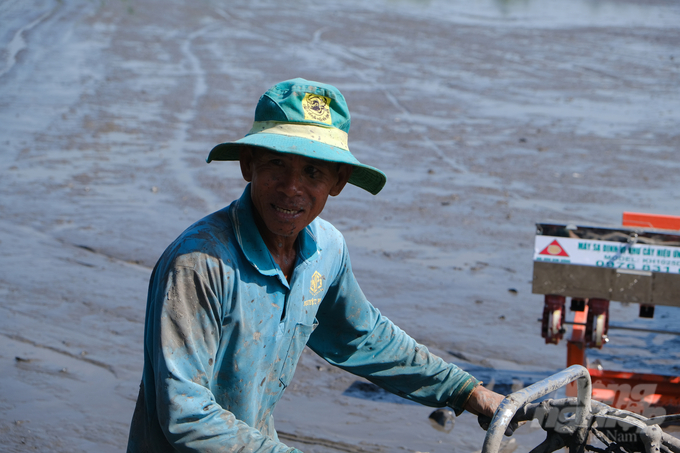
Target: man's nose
[{"x": 289, "y": 183}]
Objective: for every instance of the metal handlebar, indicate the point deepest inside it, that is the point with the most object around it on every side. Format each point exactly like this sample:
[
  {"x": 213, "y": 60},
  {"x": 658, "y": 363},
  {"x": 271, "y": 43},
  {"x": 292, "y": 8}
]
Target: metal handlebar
[{"x": 510, "y": 405}]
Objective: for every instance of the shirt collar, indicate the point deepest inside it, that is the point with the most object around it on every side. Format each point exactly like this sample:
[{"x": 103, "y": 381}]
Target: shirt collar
[{"x": 253, "y": 246}]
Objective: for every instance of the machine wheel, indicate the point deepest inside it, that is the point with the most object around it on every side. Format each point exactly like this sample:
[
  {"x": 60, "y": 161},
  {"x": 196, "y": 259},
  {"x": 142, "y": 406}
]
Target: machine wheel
[
  {"x": 553, "y": 319},
  {"x": 555, "y": 327},
  {"x": 599, "y": 325}
]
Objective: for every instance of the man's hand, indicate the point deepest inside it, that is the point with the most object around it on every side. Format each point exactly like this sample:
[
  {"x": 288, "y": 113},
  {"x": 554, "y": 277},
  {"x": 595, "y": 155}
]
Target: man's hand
[{"x": 483, "y": 403}]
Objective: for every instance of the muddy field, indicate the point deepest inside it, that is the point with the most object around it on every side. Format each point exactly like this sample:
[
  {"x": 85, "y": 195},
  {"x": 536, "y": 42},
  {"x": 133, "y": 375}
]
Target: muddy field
[{"x": 487, "y": 117}]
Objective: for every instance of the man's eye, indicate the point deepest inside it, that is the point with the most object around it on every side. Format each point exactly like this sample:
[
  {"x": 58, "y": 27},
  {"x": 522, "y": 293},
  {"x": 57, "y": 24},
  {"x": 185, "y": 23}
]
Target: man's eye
[{"x": 312, "y": 171}]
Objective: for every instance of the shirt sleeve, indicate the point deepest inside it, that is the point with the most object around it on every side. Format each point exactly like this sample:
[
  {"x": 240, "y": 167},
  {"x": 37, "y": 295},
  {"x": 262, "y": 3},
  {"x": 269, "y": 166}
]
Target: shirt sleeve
[
  {"x": 182, "y": 338},
  {"x": 356, "y": 337}
]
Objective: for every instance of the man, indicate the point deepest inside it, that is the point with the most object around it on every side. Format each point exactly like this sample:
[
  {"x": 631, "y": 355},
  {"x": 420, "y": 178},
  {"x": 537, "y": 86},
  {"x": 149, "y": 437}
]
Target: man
[{"x": 235, "y": 299}]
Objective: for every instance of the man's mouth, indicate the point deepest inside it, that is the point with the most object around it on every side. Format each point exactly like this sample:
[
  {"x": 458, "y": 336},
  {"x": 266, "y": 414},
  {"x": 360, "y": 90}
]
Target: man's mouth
[{"x": 286, "y": 211}]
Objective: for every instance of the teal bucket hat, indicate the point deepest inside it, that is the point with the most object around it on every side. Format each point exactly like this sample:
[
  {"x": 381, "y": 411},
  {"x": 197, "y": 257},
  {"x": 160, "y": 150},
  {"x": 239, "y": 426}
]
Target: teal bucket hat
[{"x": 310, "y": 119}]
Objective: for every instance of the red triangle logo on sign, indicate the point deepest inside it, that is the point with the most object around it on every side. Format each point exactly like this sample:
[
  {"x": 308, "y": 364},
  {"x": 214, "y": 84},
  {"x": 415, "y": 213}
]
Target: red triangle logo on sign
[{"x": 554, "y": 249}]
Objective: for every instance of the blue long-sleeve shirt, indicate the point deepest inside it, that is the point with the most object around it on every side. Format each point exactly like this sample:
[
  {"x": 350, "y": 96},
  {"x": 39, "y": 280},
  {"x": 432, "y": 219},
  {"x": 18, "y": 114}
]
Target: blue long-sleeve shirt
[{"x": 225, "y": 329}]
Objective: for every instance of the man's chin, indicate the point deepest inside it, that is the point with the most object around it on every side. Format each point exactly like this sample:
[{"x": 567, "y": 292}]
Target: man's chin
[{"x": 286, "y": 232}]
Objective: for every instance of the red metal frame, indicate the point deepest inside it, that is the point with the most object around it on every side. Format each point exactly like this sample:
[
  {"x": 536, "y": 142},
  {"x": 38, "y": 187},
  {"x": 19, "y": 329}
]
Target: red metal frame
[
  {"x": 646, "y": 394},
  {"x": 576, "y": 346}
]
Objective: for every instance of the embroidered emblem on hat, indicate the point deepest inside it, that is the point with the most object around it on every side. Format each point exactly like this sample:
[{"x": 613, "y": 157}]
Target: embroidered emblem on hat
[
  {"x": 316, "y": 286},
  {"x": 316, "y": 108}
]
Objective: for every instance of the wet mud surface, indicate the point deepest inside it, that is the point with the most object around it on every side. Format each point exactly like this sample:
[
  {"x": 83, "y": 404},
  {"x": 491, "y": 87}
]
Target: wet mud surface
[{"x": 487, "y": 117}]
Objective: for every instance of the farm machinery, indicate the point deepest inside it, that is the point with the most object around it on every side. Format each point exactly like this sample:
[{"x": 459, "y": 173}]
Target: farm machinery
[{"x": 636, "y": 263}]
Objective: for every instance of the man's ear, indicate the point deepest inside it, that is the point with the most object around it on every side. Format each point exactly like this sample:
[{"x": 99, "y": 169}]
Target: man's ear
[
  {"x": 246, "y": 161},
  {"x": 344, "y": 172}
]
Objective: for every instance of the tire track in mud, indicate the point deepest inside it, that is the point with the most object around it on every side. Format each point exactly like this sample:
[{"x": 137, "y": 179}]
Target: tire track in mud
[
  {"x": 46, "y": 311},
  {"x": 333, "y": 445},
  {"x": 40, "y": 385},
  {"x": 18, "y": 43},
  {"x": 187, "y": 119},
  {"x": 97, "y": 363},
  {"x": 405, "y": 115}
]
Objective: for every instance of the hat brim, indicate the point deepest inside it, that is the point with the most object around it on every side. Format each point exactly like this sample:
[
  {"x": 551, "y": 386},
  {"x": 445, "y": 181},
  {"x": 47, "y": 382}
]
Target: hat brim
[{"x": 363, "y": 176}]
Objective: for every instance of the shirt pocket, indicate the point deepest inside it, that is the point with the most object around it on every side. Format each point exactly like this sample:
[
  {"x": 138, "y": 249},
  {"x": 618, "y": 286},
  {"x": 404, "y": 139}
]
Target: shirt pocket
[{"x": 298, "y": 342}]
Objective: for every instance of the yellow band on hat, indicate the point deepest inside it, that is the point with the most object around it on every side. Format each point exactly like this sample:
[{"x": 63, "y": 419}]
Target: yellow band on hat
[{"x": 328, "y": 135}]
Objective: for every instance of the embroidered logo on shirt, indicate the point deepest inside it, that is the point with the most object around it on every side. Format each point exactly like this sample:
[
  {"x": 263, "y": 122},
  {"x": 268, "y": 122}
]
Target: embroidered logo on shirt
[
  {"x": 316, "y": 286},
  {"x": 316, "y": 108}
]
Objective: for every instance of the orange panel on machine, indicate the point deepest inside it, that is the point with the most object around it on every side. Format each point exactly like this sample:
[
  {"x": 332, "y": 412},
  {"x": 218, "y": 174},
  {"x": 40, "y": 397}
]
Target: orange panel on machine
[
  {"x": 646, "y": 394},
  {"x": 663, "y": 222}
]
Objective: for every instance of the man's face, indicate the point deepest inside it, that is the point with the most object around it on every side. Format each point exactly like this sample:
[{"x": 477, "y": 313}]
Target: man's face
[{"x": 289, "y": 191}]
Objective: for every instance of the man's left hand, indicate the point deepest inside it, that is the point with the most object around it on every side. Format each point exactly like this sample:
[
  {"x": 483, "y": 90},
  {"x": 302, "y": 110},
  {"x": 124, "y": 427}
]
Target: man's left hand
[{"x": 483, "y": 403}]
